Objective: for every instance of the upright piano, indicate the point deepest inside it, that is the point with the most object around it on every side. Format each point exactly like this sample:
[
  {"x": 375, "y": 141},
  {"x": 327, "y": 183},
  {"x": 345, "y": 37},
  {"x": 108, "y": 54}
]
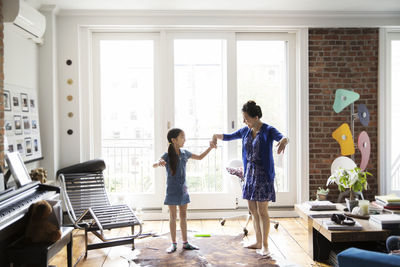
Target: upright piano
[{"x": 14, "y": 205}]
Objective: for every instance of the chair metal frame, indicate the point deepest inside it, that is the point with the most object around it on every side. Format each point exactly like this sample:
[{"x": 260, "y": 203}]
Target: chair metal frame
[
  {"x": 234, "y": 164},
  {"x": 88, "y": 208},
  {"x": 248, "y": 217}
]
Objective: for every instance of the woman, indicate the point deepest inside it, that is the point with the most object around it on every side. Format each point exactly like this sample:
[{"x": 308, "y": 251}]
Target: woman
[{"x": 257, "y": 139}]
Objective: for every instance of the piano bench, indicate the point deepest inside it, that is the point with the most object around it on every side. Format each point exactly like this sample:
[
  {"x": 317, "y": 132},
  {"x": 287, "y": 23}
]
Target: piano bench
[{"x": 39, "y": 254}]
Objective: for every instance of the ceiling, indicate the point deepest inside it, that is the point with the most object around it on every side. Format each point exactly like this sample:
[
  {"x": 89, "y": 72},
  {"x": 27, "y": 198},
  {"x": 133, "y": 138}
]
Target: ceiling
[{"x": 259, "y": 5}]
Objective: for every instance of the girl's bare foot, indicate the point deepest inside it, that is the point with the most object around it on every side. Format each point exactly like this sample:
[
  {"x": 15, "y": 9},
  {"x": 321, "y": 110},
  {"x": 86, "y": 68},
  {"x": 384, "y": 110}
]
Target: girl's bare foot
[
  {"x": 264, "y": 252},
  {"x": 252, "y": 245}
]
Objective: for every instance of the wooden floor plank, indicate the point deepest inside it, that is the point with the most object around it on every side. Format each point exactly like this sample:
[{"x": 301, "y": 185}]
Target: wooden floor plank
[
  {"x": 302, "y": 222},
  {"x": 288, "y": 242},
  {"x": 291, "y": 250},
  {"x": 212, "y": 227},
  {"x": 296, "y": 232}
]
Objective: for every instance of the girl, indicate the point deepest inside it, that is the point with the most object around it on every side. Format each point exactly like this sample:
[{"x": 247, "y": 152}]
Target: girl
[
  {"x": 257, "y": 138},
  {"x": 177, "y": 194}
]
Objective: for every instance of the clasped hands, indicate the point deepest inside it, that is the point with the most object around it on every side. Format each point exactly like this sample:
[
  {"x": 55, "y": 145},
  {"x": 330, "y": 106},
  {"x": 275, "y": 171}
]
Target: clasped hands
[{"x": 213, "y": 142}]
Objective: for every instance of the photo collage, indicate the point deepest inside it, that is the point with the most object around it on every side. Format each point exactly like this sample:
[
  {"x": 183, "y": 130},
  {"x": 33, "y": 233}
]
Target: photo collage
[{"x": 21, "y": 122}]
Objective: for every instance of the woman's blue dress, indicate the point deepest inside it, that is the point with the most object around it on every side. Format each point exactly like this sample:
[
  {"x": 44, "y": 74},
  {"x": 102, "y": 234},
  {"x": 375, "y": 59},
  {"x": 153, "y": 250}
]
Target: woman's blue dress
[{"x": 257, "y": 185}]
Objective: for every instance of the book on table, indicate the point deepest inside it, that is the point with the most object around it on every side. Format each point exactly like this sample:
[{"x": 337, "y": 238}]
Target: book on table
[
  {"x": 385, "y": 218},
  {"x": 376, "y": 208},
  {"x": 386, "y": 226},
  {"x": 390, "y": 199},
  {"x": 332, "y": 226},
  {"x": 388, "y": 205},
  {"x": 321, "y": 205}
]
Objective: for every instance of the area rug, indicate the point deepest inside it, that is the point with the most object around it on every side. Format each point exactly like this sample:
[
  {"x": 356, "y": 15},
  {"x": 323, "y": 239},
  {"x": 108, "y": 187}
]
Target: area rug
[{"x": 217, "y": 250}]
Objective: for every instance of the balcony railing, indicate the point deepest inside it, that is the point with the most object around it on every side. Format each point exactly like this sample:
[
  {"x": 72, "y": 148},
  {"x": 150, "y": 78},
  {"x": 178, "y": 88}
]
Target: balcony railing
[{"x": 129, "y": 166}]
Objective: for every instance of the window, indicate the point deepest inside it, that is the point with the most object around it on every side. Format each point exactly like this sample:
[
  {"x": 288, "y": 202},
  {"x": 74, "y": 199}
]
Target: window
[
  {"x": 395, "y": 115},
  {"x": 197, "y": 82}
]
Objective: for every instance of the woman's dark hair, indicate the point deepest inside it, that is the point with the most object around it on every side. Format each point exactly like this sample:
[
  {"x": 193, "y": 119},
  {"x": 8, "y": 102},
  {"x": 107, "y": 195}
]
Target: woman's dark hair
[
  {"x": 173, "y": 157},
  {"x": 252, "y": 109}
]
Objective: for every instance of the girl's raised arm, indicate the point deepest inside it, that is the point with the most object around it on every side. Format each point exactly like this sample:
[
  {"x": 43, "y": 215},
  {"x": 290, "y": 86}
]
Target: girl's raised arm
[
  {"x": 202, "y": 155},
  {"x": 160, "y": 162}
]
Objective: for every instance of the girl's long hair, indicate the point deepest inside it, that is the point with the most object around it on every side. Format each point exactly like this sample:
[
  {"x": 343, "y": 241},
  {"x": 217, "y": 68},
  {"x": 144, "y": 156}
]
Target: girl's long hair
[{"x": 172, "y": 156}]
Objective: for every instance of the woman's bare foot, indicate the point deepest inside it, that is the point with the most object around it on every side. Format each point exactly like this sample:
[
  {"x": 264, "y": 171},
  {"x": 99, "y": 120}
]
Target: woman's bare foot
[
  {"x": 263, "y": 252},
  {"x": 252, "y": 245}
]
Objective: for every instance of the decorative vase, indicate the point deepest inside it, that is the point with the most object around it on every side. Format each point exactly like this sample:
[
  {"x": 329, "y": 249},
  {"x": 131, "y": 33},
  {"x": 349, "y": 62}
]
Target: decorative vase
[
  {"x": 350, "y": 204},
  {"x": 322, "y": 196}
]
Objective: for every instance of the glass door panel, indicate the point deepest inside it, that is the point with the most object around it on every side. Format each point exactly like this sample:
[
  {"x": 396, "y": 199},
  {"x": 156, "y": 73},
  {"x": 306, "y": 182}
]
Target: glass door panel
[
  {"x": 395, "y": 117},
  {"x": 199, "y": 89},
  {"x": 262, "y": 76},
  {"x": 126, "y": 77}
]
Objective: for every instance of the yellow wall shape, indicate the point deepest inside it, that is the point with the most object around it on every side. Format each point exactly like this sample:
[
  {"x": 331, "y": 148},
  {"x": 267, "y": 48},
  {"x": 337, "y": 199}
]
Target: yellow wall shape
[{"x": 343, "y": 136}]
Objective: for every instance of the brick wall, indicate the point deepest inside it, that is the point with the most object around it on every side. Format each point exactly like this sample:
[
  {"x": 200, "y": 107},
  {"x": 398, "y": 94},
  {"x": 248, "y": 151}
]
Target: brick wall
[
  {"x": 1, "y": 87},
  {"x": 341, "y": 58}
]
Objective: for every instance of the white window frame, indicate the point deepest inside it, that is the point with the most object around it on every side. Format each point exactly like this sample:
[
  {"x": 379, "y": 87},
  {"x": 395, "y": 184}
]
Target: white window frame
[
  {"x": 220, "y": 200},
  {"x": 386, "y": 35},
  {"x": 299, "y": 142},
  {"x": 148, "y": 200},
  {"x": 282, "y": 198}
]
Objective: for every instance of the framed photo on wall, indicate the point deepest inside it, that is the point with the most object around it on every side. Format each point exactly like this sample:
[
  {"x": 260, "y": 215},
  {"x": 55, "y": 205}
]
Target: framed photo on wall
[
  {"x": 27, "y": 124},
  {"x": 20, "y": 147},
  {"x": 7, "y": 100},
  {"x": 21, "y": 122},
  {"x": 28, "y": 146},
  {"x": 15, "y": 101},
  {"x": 24, "y": 102},
  {"x": 17, "y": 124}
]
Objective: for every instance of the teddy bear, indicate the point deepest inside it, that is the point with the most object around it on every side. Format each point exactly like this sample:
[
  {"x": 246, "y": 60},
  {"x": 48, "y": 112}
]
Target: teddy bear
[
  {"x": 39, "y": 174},
  {"x": 39, "y": 229}
]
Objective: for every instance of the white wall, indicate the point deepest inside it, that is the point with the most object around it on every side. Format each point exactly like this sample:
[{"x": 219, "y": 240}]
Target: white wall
[
  {"x": 74, "y": 27},
  {"x": 20, "y": 64},
  {"x": 49, "y": 93},
  {"x": 20, "y": 59},
  {"x": 68, "y": 48}
]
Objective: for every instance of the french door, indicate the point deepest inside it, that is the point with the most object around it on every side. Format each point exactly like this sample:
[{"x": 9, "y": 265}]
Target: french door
[
  {"x": 266, "y": 74},
  {"x": 146, "y": 83},
  {"x": 199, "y": 63},
  {"x": 125, "y": 120},
  {"x": 392, "y": 149}
]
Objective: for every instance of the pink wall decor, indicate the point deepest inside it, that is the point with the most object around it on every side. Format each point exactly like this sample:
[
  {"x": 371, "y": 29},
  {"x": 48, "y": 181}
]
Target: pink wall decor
[{"x": 364, "y": 145}]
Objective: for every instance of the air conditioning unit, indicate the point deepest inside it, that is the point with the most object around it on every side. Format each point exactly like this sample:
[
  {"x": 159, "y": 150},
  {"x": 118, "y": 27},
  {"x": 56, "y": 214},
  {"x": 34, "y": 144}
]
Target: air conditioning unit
[{"x": 30, "y": 21}]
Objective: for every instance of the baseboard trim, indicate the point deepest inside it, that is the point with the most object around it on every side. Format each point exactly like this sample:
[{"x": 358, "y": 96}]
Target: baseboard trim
[{"x": 274, "y": 212}]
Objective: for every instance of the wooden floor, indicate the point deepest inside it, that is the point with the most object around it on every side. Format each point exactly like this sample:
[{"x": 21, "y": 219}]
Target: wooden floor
[{"x": 289, "y": 241}]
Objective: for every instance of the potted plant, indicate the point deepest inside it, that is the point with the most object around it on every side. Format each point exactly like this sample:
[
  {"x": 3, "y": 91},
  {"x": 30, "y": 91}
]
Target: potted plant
[
  {"x": 354, "y": 180},
  {"x": 322, "y": 193}
]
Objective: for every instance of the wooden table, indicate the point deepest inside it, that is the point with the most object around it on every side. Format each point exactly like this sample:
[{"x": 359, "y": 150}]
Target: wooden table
[{"x": 321, "y": 240}]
